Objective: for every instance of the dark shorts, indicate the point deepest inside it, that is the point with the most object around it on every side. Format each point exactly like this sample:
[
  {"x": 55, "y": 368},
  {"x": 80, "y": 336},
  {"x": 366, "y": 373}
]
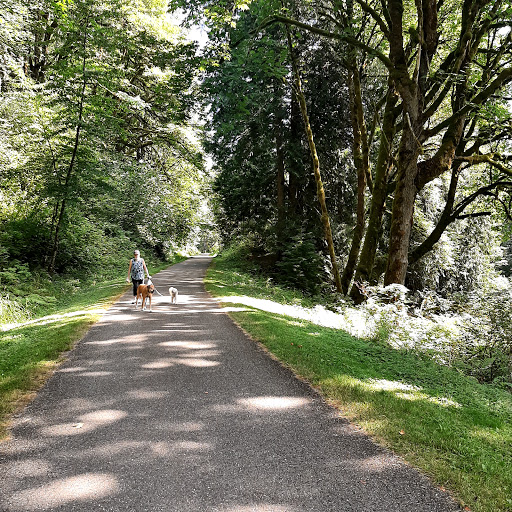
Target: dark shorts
[{"x": 136, "y": 283}]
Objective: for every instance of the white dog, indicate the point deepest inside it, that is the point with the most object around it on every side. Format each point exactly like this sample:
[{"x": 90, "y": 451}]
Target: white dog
[{"x": 173, "y": 292}]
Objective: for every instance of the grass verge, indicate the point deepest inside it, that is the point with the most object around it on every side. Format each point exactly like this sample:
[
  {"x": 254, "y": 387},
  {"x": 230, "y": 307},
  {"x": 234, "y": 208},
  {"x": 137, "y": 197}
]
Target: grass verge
[
  {"x": 30, "y": 352},
  {"x": 454, "y": 429}
]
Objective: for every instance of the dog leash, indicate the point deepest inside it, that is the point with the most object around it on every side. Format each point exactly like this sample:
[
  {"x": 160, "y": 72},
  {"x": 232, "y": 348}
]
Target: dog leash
[
  {"x": 158, "y": 292},
  {"x": 149, "y": 279}
]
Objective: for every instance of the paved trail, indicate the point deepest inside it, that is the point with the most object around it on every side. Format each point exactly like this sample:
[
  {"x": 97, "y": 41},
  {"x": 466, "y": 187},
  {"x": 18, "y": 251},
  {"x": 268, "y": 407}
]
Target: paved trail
[{"x": 179, "y": 411}]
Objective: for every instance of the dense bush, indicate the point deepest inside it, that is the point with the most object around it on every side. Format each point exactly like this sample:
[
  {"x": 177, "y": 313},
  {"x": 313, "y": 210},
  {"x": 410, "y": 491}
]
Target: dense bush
[
  {"x": 300, "y": 264},
  {"x": 292, "y": 257},
  {"x": 485, "y": 348}
]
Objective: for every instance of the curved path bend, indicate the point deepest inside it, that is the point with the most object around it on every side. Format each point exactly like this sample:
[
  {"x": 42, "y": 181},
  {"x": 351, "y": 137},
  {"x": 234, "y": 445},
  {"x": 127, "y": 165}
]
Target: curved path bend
[{"x": 179, "y": 410}]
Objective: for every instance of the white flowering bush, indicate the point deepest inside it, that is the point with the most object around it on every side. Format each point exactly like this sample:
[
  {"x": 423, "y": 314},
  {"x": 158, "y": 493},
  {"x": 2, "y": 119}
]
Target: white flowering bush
[
  {"x": 416, "y": 323},
  {"x": 473, "y": 335},
  {"x": 12, "y": 311}
]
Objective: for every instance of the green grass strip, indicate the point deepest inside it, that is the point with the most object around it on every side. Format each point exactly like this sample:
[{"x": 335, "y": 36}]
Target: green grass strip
[
  {"x": 454, "y": 429},
  {"x": 30, "y": 352}
]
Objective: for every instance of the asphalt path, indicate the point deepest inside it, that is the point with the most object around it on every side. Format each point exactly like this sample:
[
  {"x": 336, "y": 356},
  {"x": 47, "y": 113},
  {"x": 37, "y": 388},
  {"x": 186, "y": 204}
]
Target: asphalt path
[{"x": 178, "y": 410}]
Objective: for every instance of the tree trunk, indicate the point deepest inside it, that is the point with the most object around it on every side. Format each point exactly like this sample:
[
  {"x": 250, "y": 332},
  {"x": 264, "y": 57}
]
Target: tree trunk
[
  {"x": 293, "y": 175},
  {"x": 55, "y": 247},
  {"x": 361, "y": 163},
  {"x": 379, "y": 195},
  {"x": 43, "y": 33},
  {"x": 316, "y": 165},
  {"x": 403, "y": 208},
  {"x": 410, "y": 146},
  {"x": 280, "y": 185}
]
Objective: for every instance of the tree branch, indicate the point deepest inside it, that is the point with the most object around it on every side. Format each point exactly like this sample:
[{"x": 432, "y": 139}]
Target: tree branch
[
  {"x": 473, "y": 215},
  {"x": 489, "y": 159},
  {"x": 375, "y": 15},
  {"x": 325, "y": 33},
  {"x": 503, "y": 78}
]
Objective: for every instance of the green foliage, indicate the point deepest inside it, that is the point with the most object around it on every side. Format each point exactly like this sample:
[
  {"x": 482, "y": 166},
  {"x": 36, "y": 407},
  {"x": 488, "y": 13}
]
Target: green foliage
[
  {"x": 256, "y": 129},
  {"x": 485, "y": 350},
  {"x": 14, "y": 274},
  {"x": 300, "y": 265},
  {"x": 253, "y": 130},
  {"x": 12, "y": 311},
  {"x": 97, "y": 152}
]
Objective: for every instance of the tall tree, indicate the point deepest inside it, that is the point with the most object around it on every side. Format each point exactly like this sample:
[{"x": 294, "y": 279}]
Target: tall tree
[
  {"x": 440, "y": 85},
  {"x": 440, "y": 68}
]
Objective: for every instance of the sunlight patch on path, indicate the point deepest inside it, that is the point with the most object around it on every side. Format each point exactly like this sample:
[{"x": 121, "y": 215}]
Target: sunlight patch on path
[
  {"x": 273, "y": 402},
  {"x": 86, "y": 423},
  {"x": 89, "y": 486}
]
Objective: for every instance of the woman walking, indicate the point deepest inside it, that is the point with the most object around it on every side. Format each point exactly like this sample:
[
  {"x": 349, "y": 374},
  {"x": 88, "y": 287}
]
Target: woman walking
[{"x": 136, "y": 271}]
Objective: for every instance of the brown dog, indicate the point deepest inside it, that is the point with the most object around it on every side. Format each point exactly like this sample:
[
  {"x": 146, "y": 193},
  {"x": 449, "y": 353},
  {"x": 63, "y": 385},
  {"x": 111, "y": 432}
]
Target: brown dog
[{"x": 145, "y": 292}]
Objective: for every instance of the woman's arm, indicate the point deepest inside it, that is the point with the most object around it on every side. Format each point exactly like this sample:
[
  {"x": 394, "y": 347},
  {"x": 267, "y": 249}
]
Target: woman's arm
[{"x": 129, "y": 269}]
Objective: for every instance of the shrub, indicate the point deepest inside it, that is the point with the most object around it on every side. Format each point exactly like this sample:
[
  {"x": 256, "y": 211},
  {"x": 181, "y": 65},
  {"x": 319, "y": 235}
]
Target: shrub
[
  {"x": 486, "y": 348},
  {"x": 300, "y": 265},
  {"x": 12, "y": 311}
]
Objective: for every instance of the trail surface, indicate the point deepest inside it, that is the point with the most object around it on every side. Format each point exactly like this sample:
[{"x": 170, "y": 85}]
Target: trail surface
[{"x": 178, "y": 410}]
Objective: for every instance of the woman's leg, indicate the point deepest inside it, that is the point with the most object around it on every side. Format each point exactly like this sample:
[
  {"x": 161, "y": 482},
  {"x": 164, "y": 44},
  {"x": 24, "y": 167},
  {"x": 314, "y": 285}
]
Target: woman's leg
[{"x": 135, "y": 283}]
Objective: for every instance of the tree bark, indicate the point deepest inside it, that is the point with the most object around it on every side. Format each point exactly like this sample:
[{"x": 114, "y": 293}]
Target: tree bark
[
  {"x": 361, "y": 163},
  {"x": 379, "y": 195},
  {"x": 294, "y": 173},
  {"x": 280, "y": 185},
  {"x": 43, "y": 33},
  {"x": 316, "y": 165},
  {"x": 403, "y": 209}
]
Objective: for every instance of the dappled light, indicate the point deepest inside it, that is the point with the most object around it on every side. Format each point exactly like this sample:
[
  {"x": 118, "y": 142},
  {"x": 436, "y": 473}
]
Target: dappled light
[
  {"x": 408, "y": 392},
  {"x": 50, "y": 319},
  {"x": 85, "y": 423},
  {"x": 74, "y": 369},
  {"x": 86, "y": 487},
  {"x": 126, "y": 340},
  {"x": 388, "y": 385},
  {"x": 442, "y": 401},
  {"x": 196, "y": 362},
  {"x": 132, "y": 448},
  {"x": 188, "y": 345},
  {"x": 274, "y": 403},
  {"x": 161, "y": 363},
  {"x": 373, "y": 464},
  {"x": 180, "y": 407},
  {"x": 95, "y": 374},
  {"x": 147, "y": 394},
  {"x": 264, "y": 404},
  {"x": 351, "y": 162}
]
